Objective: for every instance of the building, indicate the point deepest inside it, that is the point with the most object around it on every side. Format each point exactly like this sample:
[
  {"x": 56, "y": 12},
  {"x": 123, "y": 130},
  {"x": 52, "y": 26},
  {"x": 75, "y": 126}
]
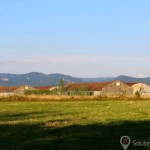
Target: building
[
  {"x": 138, "y": 87},
  {"x": 22, "y": 89},
  {"x": 54, "y": 88},
  {"x": 43, "y": 88},
  {"x": 145, "y": 93},
  {"x": 86, "y": 88},
  {"x": 117, "y": 89},
  {"x": 14, "y": 90},
  {"x": 7, "y": 90}
]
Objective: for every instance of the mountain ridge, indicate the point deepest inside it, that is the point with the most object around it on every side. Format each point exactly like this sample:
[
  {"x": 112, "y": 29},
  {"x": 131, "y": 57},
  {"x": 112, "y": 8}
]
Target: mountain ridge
[
  {"x": 35, "y": 79},
  {"x": 129, "y": 79},
  {"x": 41, "y": 79}
]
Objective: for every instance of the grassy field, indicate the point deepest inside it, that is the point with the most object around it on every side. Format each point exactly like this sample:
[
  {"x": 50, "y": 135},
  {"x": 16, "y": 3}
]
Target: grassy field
[{"x": 73, "y": 125}]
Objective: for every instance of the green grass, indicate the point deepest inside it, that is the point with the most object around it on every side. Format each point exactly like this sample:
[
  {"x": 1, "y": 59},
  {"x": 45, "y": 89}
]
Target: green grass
[{"x": 72, "y": 125}]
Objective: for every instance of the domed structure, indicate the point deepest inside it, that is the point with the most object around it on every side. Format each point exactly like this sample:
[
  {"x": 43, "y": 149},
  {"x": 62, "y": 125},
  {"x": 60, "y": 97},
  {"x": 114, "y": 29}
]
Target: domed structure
[
  {"x": 146, "y": 92},
  {"x": 138, "y": 87}
]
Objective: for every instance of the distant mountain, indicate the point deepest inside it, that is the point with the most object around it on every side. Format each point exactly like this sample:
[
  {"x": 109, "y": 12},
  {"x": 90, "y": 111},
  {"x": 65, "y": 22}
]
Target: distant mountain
[
  {"x": 35, "y": 79},
  {"x": 101, "y": 79},
  {"x": 40, "y": 79},
  {"x": 128, "y": 79}
]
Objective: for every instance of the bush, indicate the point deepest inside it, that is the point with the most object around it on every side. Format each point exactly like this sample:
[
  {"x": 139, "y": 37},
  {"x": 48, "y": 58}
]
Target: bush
[
  {"x": 40, "y": 92},
  {"x": 137, "y": 94}
]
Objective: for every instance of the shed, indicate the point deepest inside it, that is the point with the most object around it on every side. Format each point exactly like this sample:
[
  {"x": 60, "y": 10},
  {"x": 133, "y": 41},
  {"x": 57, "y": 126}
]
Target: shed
[
  {"x": 138, "y": 87},
  {"x": 54, "y": 88},
  {"x": 21, "y": 90},
  {"x": 86, "y": 88},
  {"x": 7, "y": 90},
  {"x": 43, "y": 88},
  {"x": 145, "y": 93},
  {"x": 116, "y": 89}
]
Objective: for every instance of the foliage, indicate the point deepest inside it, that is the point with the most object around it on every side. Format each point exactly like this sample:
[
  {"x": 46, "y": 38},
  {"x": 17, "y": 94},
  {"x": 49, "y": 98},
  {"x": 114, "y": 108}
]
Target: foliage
[
  {"x": 62, "y": 88},
  {"x": 81, "y": 90},
  {"x": 40, "y": 92},
  {"x": 137, "y": 94}
]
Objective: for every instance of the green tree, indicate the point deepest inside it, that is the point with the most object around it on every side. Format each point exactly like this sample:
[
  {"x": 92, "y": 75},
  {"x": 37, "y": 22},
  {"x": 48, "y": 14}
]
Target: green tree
[
  {"x": 137, "y": 94},
  {"x": 61, "y": 86},
  {"x": 81, "y": 90}
]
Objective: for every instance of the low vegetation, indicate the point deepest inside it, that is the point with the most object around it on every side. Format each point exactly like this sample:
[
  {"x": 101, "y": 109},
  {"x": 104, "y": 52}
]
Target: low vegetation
[
  {"x": 47, "y": 97},
  {"x": 40, "y": 92},
  {"x": 75, "y": 125}
]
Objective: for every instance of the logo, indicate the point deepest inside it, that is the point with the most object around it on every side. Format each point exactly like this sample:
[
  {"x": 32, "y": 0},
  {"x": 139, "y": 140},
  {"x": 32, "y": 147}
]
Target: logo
[{"x": 125, "y": 142}]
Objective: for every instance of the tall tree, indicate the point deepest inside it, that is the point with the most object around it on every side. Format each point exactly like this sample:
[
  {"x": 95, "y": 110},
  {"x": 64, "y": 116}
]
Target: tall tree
[{"x": 61, "y": 86}]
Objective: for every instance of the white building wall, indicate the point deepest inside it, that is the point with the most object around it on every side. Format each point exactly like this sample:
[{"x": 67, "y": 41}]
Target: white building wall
[
  {"x": 97, "y": 93},
  {"x": 139, "y": 87},
  {"x": 7, "y": 94}
]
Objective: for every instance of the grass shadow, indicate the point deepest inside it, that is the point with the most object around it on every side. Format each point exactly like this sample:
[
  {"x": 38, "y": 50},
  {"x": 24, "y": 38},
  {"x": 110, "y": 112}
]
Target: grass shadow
[
  {"x": 74, "y": 137},
  {"x": 32, "y": 115}
]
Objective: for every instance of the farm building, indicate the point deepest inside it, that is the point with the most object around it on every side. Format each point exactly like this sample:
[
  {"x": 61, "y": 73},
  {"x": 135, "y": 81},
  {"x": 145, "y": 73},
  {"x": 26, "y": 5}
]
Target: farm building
[
  {"x": 43, "y": 88},
  {"x": 86, "y": 88},
  {"x": 14, "y": 90},
  {"x": 54, "y": 88},
  {"x": 7, "y": 90},
  {"x": 138, "y": 87},
  {"x": 116, "y": 89},
  {"x": 145, "y": 93},
  {"x": 21, "y": 90}
]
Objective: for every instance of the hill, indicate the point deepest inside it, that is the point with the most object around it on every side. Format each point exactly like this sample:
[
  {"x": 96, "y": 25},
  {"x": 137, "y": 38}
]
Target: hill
[
  {"x": 40, "y": 79},
  {"x": 35, "y": 79},
  {"x": 100, "y": 79},
  {"x": 128, "y": 79}
]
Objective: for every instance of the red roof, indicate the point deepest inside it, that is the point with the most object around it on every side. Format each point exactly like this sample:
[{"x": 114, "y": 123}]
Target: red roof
[
  {"x": 130, "y": 84},
  {"x": 43, "y": 87},
  {"x": 4, "y": 89}
]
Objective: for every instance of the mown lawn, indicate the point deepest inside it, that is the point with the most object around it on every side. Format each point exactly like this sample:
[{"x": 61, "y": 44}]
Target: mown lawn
[{"x": 88, "y": 125}]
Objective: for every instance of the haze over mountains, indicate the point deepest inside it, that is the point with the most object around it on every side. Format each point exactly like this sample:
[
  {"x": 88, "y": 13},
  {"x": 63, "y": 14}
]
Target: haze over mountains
[
  {"x": 40, "y": 79},
  {"x": 35, "y": 79},
  {"x": 128, "y": 79}
]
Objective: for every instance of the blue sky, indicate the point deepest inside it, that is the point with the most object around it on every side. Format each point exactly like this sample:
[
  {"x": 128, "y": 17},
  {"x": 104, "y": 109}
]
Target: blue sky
[{"x": 83, "y": 38}]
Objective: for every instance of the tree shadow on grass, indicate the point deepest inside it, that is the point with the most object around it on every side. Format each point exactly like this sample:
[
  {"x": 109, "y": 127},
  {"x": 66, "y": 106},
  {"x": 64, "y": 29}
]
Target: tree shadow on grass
[
  {"x": 31, "y": 115},
  {"x": 74, "y": 137}
]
